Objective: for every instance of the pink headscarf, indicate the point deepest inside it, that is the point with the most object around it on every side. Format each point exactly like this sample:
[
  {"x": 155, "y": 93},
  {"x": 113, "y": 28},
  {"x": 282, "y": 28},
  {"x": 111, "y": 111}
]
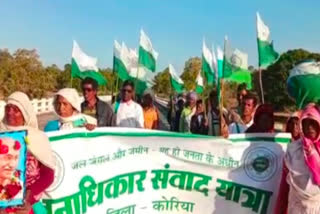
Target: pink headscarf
[{"x": 311, "y": 148}]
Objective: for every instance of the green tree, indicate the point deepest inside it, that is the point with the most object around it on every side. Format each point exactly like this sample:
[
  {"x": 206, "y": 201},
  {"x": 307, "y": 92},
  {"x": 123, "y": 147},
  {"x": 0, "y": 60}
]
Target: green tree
[
  {"x": 162, "y": 85},
  {"x": 191, "y": 70},
  {"x": 276, "y": 75}
]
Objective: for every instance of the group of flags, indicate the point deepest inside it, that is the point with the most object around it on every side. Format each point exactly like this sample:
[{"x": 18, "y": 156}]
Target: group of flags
[
  {"x": 232, "y": 64},
  {"x": 229, "y": 64},
  {"x": 127, "y": 63}
]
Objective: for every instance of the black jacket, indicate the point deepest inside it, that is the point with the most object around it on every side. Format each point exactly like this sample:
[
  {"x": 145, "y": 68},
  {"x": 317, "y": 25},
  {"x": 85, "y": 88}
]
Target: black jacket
[
  {"x": 104, "y": 113},
  {"x": 197, "y": 124}
]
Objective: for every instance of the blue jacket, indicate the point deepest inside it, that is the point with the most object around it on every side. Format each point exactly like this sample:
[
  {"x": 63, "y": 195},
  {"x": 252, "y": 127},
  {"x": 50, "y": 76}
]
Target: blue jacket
[{"x": 52, "y": 125}]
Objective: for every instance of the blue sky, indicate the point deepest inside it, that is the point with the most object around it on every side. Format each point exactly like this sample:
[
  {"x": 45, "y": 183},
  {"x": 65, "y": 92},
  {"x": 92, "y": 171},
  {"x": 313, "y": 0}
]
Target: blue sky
[{"x": 176, "y": 27}]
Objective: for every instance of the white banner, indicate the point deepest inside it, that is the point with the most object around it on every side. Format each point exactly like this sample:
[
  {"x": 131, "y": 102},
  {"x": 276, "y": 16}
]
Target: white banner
[{"x": 121, "y": 171}]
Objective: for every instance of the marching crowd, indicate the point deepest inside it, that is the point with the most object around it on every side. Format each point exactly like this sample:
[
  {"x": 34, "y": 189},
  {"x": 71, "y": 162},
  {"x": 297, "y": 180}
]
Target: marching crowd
[
  {"x": 192, "y": 115},
  {"x": 299, "y": 189}
]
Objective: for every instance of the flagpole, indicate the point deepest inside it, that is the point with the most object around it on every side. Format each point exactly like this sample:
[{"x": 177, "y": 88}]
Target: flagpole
[
  {"x": 71, "y": 78},
  {"x": 173, "y": 110},
  {"x": 112, "y": 85},
  {"x": 203, "y": 93},
  {"x": 222, "y": 89},
  {"x": 261, "y": 85},
  {"x": 117, "y": 85}
]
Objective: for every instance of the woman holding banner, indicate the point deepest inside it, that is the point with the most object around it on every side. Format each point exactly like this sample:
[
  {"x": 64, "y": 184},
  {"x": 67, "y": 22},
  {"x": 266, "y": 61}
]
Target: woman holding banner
[
  {"x": 67, "y": 106},
  {"x": 300, "y": 184},
  {"x": 19, "y": 115}
]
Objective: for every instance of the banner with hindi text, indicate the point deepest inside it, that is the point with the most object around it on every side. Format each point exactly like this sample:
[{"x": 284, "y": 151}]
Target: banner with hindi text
[{"x": 126, "y": 171}]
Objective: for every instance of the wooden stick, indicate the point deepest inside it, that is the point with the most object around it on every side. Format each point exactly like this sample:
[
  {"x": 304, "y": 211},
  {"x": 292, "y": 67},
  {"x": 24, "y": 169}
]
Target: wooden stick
[
  {"x": 221, "y": 104},
  {"x": 261, "y": 85}
]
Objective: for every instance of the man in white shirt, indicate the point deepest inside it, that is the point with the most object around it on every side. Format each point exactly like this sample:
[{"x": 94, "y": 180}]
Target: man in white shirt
[
  {"x": 248, "y": 107},
  {"x": 129, "y": 113}
]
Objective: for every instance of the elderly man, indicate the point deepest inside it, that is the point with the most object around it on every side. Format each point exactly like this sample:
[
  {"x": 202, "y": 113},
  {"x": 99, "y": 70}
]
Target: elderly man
[{"x": 188, "y": 112}]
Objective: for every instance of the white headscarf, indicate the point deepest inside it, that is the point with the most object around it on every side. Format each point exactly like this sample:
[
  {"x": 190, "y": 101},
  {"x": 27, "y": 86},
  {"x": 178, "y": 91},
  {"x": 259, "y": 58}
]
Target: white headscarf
[
  {"x": 72, "y": 96},
  {"x": 38, "y": 142},
  {"x": 22, "y": 101}
]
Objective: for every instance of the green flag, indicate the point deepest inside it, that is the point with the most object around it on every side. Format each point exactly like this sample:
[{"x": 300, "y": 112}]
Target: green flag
[
  {"x": 176, "y": 82},
  {"x": 199, "y": 84},
  {"x": 83, "y": 66},
  {"x": 235, "y": 66},
  {"x": 119, "y": 62},
  {"x": 267, "y": 54},
  {"x": 147, "y": 55},
  {"x": 207, "y": 64}
]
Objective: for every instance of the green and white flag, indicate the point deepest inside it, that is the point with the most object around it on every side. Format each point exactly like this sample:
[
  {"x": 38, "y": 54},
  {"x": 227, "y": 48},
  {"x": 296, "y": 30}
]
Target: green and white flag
[
  {"x": 235, "y": 67},
  {"x": 147, "y": 55},
  {"x": 133, "y": 64},
  {"x": 126, "y": 65},
  {"x": 220, "y": 62},
  {"x": 220, "y": 56},
  {"x": 83, "y": 66},
  {"x": 131, "y": 59},
  {"x": 304, "y": 83},
  {"x": 119, "y": 65},
  {"x": 176, "y": 82},
  {"x": 215, "y": 65},
  {"x": 267, "y": 54},
  {"x": 199, "y": 84},
  {"x": 207, "y": 65}
]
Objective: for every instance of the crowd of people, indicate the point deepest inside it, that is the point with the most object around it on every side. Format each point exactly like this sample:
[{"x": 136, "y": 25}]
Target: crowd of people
[
  {"x": 190, "y": 114},
  {"x": 299, "y": 189}
]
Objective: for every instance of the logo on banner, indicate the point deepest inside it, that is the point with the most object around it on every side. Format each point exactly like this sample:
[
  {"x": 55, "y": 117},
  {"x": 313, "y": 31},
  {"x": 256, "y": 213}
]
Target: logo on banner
[
  {"x": 260, "y": 164},
  {"x": 58, "y": 174}
]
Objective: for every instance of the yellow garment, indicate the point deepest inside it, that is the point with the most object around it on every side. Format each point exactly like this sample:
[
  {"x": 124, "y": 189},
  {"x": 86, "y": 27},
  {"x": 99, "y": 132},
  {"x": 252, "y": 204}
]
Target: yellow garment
[
  {"x": 91, "y": 112},
  {"x": 151, "y": 118}
]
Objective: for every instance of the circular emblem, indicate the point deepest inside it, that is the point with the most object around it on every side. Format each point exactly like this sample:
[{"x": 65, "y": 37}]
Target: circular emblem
[
  {"x": 260, "y": 164},
  {"x": 58, "y": 174}
]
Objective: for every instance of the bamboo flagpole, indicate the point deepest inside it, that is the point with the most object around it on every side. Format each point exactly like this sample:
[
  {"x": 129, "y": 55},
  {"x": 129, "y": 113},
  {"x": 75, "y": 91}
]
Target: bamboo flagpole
[
  {"x": 222, "y": 88},
  {"x": 173, "y": 110},
  {"x": 112, "y": 85},
  {"x": 261, "y": 85}
]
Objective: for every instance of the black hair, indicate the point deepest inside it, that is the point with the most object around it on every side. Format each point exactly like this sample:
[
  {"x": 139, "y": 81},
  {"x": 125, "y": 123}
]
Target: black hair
[
  {"x": 213, "y": 94},
  {"x": 90, "y": 81},
  {"x": 128, "y": 83},
  {"x": 199, "y": 102},
  {"x": 251, "y": 96},
  {"x": 241, "y": 87}
]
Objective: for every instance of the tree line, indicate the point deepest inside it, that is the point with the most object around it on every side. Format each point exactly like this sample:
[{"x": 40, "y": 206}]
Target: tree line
[{"x": 24, "y": 71}]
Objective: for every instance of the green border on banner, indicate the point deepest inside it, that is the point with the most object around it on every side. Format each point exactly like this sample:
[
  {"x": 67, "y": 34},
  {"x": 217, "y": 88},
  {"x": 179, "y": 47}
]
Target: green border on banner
[
  {"x": 128, "y": 134},
  {"x": 242, "y": 138},
  {"x": 284, "y": 140}
]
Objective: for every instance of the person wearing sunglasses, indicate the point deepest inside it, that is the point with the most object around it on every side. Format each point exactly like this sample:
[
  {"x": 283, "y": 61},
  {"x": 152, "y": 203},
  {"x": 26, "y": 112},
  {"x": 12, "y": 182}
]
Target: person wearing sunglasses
[
  {"x": 129, "y": 113},
  {"x": 95, "y": 107}
]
